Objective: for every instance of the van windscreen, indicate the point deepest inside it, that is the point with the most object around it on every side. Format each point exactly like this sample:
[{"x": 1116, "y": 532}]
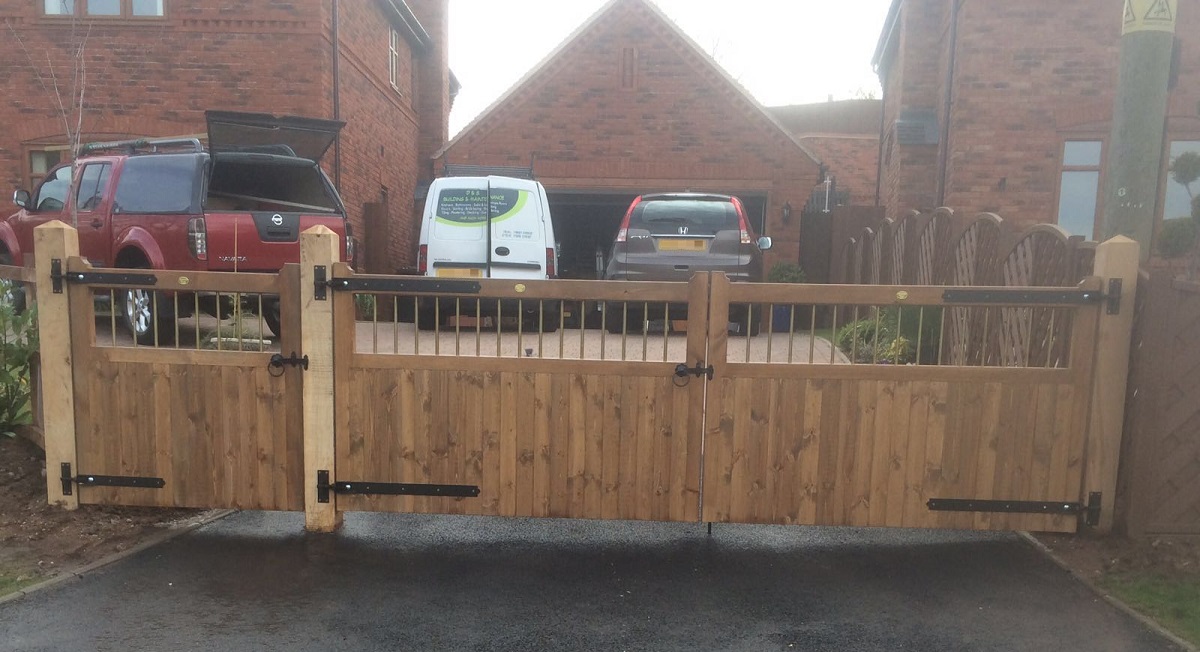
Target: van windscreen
[{"x": 694, "y": 216}]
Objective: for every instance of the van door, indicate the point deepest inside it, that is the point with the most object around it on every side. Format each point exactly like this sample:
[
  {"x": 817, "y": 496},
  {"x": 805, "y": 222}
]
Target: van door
[
  {"x": 458, "y": 229},
  {"x": 518, "y": 243}
]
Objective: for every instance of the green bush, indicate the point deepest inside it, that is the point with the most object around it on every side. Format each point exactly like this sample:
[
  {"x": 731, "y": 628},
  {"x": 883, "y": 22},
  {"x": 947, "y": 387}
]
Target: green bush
[
  {"x": 1177, "y": 237},
  {"x": 890, "y": 335},
  {"x": 785, "y": 272},
  {"x": 18, "y": 344}
]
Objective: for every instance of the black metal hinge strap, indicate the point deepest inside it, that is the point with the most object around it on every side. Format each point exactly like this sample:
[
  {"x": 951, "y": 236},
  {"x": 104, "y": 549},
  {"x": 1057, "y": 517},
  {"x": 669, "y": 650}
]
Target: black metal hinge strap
[
  {"x": 90, "y": 480},
  {"x": 1092, "y": 509},
  {"x": 111, "y": 278},
  {"x": 324, "y": 486},
  {"x": 406, "y": 285},
  {"x": 1079, "y": 297}
]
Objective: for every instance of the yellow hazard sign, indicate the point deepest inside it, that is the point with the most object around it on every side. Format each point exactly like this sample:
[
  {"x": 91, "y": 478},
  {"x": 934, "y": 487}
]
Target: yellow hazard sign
[{"x": 1150, "y": 16}]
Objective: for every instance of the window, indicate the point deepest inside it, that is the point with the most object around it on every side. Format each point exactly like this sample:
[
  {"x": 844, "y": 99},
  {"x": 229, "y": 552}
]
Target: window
[
  {"x": 394, "y": 60},
  {"x": 52, "y": 196},
  {"x": 93, "y": 183},
  {"x": 105, "y": 8},
  {"x": 1079, "y": 186},
  {"x": 41, "y": 162},
  {"x": 1181, "y": 186},
  {"x": 166, "y": 183}
]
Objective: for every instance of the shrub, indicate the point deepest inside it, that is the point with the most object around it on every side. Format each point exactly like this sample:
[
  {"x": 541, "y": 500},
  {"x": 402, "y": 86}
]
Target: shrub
[
  {"x": 891, "y": 336},
  {"x": 18, "y": 344},
  {"x": 785, "y": 272},
  {"x": 1177, "y": 237}
]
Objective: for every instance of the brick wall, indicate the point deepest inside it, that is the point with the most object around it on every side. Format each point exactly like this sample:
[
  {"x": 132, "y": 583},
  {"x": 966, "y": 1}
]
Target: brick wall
[
  {"x": 852, "y": 161},
  {"x": 1028, "y": 74},
  {"x": 157, "y": 77},
  {"x": 668, "y": 122}
]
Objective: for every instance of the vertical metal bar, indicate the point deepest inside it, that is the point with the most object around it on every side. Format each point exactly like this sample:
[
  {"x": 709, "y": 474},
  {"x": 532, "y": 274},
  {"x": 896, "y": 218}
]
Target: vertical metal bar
[
  {"x": 854, "y": 339},
  {"x": 541, "y": 327},
  {"x": 478, "y": 327},
  {"x": 239, "y": 327},
  {"x": 457, "y": 325},
  {"x": 395, "y": 324},
  {"x": 666, "y": 328},
  {"x": 261, "y": 325},
  {"x": 437, "y": 325},
  {"x": 749, "y": 325},
  {"x": 875, "y": 345},
  {"x": 812, "y": 331},
  {"x": 603, "y": 328},
  {"x": 416, "y": 325},
  {"x": 1050, "y": 339},
  {"x": 520, "y": 327},
  {"x": 1029, "y": 338},
  {"x": 942, "y": 334},
  {"x": 920, "y": 333},
  {"x": 196, "y": 317},
  {"x": 833, "y": 343},
  {"x": 154, "y": 316},
  {"x": 562, "y": 331},
  {"x": 499, "y": 319},
  {"x": 983, "y": 347},
  {"x": 582, "y": 324},
  {"x": 646, "y": 331},
  {"x": 899, "y": 328},
  {"x": 112, "y": 314},
  {"x": 374, "y": 322},
  {"x": 770, "y": 339},
  {"x": 175, "y": 308},
  {"x": 624, "y": 327}
]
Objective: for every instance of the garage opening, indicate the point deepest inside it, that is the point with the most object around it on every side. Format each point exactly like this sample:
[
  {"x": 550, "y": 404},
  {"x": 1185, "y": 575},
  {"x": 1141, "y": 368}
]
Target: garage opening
[{"x": 585, "y": 223}]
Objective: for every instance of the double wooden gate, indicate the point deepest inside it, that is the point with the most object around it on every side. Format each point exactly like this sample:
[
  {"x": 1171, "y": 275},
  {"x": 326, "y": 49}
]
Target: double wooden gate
[{"x": 700, "y": 401}]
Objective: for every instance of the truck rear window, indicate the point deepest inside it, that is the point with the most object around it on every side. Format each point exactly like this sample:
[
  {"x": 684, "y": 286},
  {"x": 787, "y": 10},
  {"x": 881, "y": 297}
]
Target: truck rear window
[{"x": 162, "y": 183}]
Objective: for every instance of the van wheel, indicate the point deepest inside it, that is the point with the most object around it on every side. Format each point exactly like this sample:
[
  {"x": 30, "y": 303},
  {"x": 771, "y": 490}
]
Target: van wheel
[{"x": 143, "y": 318}]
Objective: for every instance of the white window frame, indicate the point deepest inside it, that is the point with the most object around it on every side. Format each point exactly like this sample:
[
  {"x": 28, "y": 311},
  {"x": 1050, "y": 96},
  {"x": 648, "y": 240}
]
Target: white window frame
[{"x": 394, "y": 59}]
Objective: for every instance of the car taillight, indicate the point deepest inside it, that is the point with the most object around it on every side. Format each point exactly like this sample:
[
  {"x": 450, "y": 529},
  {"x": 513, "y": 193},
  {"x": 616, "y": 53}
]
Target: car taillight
[
  {"x": 550, "y": 270},
  {"x": 198, "y": 238},
  {"x": 623, "y": 231},
  {"x": 743, "y": 223},
  {"x": 423, "y": 258}
]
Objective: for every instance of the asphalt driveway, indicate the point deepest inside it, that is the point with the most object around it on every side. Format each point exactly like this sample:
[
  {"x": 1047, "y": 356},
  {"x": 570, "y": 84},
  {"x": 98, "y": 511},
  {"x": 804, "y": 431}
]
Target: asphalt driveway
[{"x": 256, "y": 581}]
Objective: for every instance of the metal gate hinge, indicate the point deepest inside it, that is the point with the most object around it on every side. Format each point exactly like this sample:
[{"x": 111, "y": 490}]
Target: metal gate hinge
[
  {"x": 1114, "y": 296},
  {"x": 325, "y": 486},
  {"x": 90, "y": 480},
  {"x": 56, "y": 278},
  {"x": 320, "y": 282},
  {"x": 682, "y": 370}
]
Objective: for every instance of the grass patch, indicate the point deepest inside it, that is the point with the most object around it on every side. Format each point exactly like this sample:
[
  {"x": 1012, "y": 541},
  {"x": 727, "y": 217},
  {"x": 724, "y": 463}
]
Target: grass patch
[
  {"x": 1172, "y": 601},
  {"x": 11, "y": 582}
]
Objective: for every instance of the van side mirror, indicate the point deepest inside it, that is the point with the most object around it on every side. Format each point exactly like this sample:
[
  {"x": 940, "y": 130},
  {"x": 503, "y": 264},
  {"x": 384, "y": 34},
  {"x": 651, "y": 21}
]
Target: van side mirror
[
  {"x": 764, "y": 243},
  {"x": 21, "y": 198}
]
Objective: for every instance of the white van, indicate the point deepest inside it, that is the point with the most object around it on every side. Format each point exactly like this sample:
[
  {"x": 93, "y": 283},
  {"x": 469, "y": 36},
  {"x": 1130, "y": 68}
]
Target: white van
[{"x": 487, "y": 227}]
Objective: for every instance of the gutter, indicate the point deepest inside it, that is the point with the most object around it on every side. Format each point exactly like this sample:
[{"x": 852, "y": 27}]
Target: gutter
[
  {"x": 413, "y": 31},
  {"x": 944, "y": 146}
]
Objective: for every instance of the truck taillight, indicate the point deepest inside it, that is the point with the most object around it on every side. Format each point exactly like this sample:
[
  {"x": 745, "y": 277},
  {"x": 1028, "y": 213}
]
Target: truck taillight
[
  {"x": 423, "y": 258},
  {"x": 551, "y": 272},
  {"x": 198, "y": 238}
]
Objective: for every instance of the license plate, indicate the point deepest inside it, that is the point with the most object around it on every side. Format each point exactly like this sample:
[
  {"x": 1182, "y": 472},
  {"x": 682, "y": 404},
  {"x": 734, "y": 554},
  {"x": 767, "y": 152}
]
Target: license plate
[
  {"x": 459, "y": 272},
  {"x": 681, "y": 245}
]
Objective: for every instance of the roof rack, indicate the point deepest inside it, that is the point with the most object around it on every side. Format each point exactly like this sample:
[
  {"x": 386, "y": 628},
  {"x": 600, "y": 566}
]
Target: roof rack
[
  {"x": 145, "y": 144},
  {"x": 464, "y": 170}
]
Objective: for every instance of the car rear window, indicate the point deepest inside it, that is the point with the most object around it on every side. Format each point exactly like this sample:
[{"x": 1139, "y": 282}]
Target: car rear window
[
  {"x": 694, "y": 216},
  {"x": 159, "y": 184}
]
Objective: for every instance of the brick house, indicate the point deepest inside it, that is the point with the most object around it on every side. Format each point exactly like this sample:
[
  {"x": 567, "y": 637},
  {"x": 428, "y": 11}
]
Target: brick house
[
  {"x": 844, "y": 135},
  {"x": 629, "y": 104},
  {"x": 154, "y": 66},
  {"x": 1007, "y": 107}
]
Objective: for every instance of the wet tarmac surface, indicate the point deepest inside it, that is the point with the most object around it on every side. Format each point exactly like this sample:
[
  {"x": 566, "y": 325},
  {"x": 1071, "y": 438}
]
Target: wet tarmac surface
[{"x": 256, "y": 581}]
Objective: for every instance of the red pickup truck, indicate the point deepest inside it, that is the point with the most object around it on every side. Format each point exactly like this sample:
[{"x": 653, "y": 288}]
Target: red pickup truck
[{"x": 169, "y": 204}]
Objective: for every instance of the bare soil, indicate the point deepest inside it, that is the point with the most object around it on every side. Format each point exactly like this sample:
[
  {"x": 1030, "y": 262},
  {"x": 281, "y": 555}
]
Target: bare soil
[
  {"x": 1097, "y": 557},
  {"x": 38, "y": 542}
]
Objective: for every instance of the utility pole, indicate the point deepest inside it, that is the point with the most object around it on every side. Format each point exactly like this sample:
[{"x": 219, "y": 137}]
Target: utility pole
[{"x": 1139, "y": 121}]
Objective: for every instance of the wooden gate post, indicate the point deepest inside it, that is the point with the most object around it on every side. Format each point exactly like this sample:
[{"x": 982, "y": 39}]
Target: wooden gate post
[
  {"x": 1116, "y": 258},
  {"x": 318, "y": 253},
  {"x": 55, "y": 241}
]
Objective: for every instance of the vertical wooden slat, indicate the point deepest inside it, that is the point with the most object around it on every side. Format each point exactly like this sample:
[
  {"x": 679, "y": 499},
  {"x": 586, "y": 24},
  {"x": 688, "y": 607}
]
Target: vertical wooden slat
[
  {"x": 898, "y": 462},
  {"x": 541, "y": 446},
  {"x": 510, "y": 450},
  {"x": 525, "y": 401},
  {"x": 645, "y": 436},
  {"x": 577, "y": 436},
  {"x": 594, "y": 438},
  {"x": 914, "y": 467},
  {"x": 611, "y": 499},
  {"x": 880, "y": 453}
]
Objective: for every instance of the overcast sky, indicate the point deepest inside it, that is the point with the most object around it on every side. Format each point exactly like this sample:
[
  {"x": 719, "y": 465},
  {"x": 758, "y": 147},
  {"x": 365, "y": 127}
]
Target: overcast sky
[{"x": 782, "y": 51}]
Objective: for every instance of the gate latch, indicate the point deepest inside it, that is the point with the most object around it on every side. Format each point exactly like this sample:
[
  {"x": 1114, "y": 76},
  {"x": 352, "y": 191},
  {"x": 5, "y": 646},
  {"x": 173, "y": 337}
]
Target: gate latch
[
  {"x": 278, "y": 361},
  {"x": 683, "y": 371}
]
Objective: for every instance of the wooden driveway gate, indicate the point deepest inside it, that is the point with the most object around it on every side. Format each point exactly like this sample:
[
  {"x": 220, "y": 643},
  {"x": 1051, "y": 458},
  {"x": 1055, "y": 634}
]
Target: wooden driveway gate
[{"x": 584, "y": 399}]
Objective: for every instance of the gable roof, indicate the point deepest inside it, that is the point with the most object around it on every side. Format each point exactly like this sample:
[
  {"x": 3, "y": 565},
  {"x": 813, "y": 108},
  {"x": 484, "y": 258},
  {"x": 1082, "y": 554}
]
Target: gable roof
[{"x": 698, "y": 52}]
